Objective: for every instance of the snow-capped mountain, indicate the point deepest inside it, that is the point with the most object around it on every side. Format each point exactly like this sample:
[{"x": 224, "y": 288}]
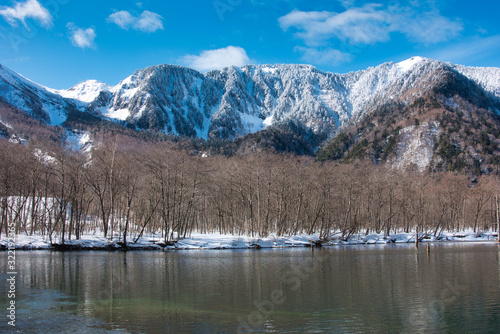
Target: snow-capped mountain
[
  {"x": 86, "y": 91},
  {"x": 167, "y": 98},
  {"x": 435, "y": 116},
  {"x": 235, "y": 101},
  {"x": 36, "y": 100}
]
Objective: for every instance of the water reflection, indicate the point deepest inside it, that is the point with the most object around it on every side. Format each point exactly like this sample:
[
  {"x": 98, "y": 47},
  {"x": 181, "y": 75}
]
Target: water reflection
[{"x": 344, "y": 289}]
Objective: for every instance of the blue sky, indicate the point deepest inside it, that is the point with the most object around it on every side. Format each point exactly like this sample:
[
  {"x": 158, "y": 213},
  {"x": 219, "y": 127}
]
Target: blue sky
[{"x": 60, "y": 43}]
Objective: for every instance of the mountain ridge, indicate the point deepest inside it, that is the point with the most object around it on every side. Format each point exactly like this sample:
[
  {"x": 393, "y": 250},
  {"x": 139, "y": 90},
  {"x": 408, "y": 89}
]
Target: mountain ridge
[
  {"x": 289, "y": 102},
  {"x": 235, "y": 101}
]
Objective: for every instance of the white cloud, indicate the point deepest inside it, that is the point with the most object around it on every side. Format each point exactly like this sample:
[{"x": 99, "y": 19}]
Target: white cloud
[
  {"x": 347, "y": 3},
  {"x": 123, "y": 19},
  {"x": 481, "y": 31},
  {"x": 24, "y": 10},
  {"x": 428, "y": 28},
  {"x": 370, "y": 24},
  {"x": 217, "y": 59},
  {"x": 82, "y": 38},
  {"x": 327, "y": 56},
  {"x": 357, "y": 27},
  {"x": 146, "y": 22},
  {"x": 149, "y": 22},
  {"x": 365, "y": 25},
  {"x": 470, "y": 51}
]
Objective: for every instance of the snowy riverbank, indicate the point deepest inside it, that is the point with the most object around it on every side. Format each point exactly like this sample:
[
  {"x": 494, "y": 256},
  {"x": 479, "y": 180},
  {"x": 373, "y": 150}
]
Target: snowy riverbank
[{"x": 219, "y": 241}]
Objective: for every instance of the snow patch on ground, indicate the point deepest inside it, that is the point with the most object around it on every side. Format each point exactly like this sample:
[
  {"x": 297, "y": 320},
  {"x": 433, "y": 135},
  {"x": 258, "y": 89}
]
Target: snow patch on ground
[
  {"x": 79, "y": 141},
  {"x": 223, "y": 241},
  {"x": 450, "y": 102},
  {"x": 120, "y": 114},
  {"x": 56, "y": 114},
  {"x": 252, "y": 123},
  {"x": 7, "y": 125},
  {"x": 268, "y": 121},
  {"x": 44, "y": 157},
  {"x": 18, "y": 140}
]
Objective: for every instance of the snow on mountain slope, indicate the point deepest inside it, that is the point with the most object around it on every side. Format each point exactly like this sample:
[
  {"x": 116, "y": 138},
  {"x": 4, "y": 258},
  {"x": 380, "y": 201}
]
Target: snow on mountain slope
[
  {"x": 266, "y": 95},
  {"x": 235, "y": 101},
  {"x": 400, "y": 82},
  {"x": 170, "y": 98},
  {"x": 486, "y": 77},
  {"x": 86, "y": 91},
  {"x": 79, "y": 140},
  {"x": 408, "y": 64},
  {"x": 34, "y": 99},
  {"x": 6, "y": 124},
  {"x": 318, "y": 100}
]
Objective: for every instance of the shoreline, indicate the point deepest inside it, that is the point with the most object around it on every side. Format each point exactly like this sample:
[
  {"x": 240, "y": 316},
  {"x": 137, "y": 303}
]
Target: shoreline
[{"x": 199, "y": 241}]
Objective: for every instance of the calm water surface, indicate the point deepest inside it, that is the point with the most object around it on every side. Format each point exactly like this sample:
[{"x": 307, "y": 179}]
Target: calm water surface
[{"x": 365, "y": 289}]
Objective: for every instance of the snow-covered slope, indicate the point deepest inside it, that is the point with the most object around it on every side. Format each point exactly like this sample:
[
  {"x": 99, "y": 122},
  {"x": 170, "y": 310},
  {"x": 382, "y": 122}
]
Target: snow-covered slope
[
  {"x": 486, "y": 77},
  {"x": 236, "y": 101},
  {"x": 320, "y": 101},
  {"x": 37, "y": 101},
  {"x": 86, "y": 91},
  {"x": 172, "y": 99},
  {"x": 239, "y": 100}
]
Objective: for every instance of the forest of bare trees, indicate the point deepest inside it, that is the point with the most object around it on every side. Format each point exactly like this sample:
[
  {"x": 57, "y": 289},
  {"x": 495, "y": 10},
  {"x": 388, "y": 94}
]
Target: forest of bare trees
[{"x": 126, "y": 190}]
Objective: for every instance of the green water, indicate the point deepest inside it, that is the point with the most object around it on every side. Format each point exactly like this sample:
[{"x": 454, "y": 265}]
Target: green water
[{"x": 365, "y": 289}]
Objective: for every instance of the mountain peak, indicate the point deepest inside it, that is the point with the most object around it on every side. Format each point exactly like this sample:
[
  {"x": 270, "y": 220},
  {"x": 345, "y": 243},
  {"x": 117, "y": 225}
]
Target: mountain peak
[
  {"x": 86, "y": 91},
  {"x": 408, "y": 64}
]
